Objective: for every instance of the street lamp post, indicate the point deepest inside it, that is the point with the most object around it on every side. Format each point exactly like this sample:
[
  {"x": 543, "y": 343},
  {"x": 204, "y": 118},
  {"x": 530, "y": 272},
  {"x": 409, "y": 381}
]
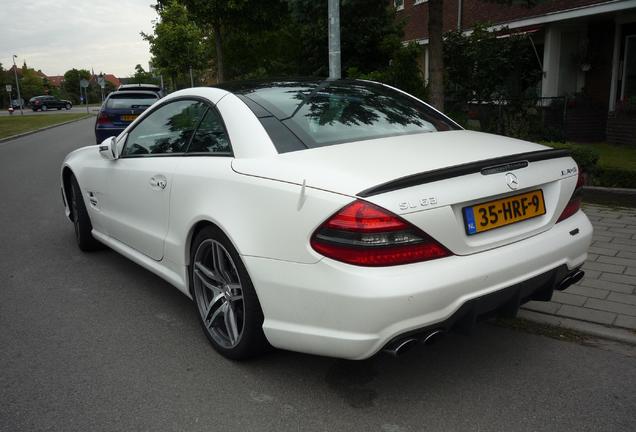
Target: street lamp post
[
  {"x": 334, "y": 39},
  {"x": 17, "y": 84}
]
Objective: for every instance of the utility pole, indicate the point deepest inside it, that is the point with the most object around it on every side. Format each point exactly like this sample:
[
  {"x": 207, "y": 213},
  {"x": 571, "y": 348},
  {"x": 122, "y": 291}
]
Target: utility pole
[
  {"x": 17, "y": 84},
  {"x": 334, "y": 39}
]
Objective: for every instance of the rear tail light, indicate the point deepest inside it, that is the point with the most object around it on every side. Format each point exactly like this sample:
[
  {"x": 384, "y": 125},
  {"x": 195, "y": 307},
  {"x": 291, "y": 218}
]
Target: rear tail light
[
  {"x": 102, "y": 118},
  {"x": 366, "y": 235},
  {"x": 575, "y": 201}
]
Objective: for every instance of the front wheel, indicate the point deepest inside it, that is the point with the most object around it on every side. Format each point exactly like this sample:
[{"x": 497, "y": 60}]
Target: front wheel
[
  {"x": 225, "y": 299},
  {"x": 44, "y": 108},
  {"x": 67, "y": 106},
  {"x": 81, "y": 220}
]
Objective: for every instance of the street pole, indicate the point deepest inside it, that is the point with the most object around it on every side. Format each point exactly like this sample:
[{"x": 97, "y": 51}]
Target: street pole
[
  {"x": 191, "y": 80},
  {"x": 334, "y": 39},
  {"x": 17, "y": 84}
]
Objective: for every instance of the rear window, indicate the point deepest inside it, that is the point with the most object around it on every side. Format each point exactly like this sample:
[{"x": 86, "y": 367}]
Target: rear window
[
  {"x": 333, "y": 112},
  {"x": 130, "y": 101}
]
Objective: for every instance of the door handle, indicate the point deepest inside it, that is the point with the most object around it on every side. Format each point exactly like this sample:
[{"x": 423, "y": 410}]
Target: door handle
[{"x": 158, "y": 182}]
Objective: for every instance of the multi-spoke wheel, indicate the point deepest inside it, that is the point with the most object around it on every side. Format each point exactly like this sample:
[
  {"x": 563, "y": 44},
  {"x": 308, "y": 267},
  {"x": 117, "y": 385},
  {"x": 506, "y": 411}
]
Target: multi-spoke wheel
[{"x": 224, "y": 296}]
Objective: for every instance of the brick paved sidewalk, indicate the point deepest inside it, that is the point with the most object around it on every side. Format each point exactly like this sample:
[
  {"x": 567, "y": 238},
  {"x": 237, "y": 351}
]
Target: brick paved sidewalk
[{"x": 607, "y": 293}]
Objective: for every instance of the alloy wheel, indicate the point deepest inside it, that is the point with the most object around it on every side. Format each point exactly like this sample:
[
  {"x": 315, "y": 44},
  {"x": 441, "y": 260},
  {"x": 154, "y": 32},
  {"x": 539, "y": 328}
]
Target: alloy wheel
[{"x": 218, "y": 293}]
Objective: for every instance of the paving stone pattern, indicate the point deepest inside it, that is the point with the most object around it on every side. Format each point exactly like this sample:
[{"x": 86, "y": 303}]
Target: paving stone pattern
[{"x": 607, "y": 293}]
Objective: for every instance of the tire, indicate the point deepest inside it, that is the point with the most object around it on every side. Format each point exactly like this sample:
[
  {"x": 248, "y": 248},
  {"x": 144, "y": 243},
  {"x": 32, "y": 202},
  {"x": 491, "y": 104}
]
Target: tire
[
  {"x": 218, "y": 278},
  {"x": 81, "y": 220},
  {"x": 67, "y": 106},
  {"x": 43, "y": 108}
]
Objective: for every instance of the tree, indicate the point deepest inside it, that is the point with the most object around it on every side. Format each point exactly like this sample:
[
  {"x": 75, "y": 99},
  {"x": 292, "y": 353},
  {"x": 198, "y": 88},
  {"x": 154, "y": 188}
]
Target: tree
[
  {"x": 435, "y": 46},
  {"x": 72, "y": 82},
  {"x": 369, "y": 35},
  {"x": 177, "y": 43},
  {"x": 31, "y": 84},
  {"x": 143, "y": 77}
]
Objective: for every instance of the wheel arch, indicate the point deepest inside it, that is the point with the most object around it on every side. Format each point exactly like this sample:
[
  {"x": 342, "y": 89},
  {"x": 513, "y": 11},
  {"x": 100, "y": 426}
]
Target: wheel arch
[
  {"x": 195, "y": 228},
  {"x": 67, "y": 176}
]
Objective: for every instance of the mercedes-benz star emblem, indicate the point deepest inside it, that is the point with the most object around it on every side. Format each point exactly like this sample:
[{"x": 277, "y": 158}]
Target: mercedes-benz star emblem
[{"x": 512, "y": 181}]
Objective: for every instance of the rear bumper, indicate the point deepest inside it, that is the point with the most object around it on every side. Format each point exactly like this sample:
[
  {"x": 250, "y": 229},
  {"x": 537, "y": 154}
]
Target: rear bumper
[{"x": 338, "y": 310}]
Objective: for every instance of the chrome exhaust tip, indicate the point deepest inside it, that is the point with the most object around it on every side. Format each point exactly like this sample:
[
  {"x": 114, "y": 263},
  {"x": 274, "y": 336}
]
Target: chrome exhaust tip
[
  {"x": 400, "y": 347},
  {"x": 432, "y": 337},
  {"x": 570, "y": 279}
]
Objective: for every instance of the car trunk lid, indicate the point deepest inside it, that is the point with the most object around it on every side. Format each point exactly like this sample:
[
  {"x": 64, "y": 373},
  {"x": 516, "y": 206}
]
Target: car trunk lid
[{"x": 424, "y": 178}]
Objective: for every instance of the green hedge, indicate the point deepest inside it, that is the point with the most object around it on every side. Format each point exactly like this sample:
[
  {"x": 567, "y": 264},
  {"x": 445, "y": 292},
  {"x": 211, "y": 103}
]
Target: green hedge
[
  {"x": 587, "y": 157},
  {"x": 614, "y": 177}
]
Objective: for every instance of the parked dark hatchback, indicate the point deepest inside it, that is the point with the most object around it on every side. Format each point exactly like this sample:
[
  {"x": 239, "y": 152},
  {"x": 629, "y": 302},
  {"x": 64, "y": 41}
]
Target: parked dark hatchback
[
  {"x": 43, "y": 103},
  {"x": 119, "y": 110}
]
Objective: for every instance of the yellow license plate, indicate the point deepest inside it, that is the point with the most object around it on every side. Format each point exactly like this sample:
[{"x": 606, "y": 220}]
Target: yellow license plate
[
  {"x": 128, "y": 118},
  {"x": 502, "y": 212}
]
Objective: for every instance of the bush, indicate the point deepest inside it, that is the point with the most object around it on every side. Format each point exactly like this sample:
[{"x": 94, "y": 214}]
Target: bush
[
  {"x": 403, "y": 72},
  {"x": 586, "y": 157},
  {"x": 614, "y": 177}
]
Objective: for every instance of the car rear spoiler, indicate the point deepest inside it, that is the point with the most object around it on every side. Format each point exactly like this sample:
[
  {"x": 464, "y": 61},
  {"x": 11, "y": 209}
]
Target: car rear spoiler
[{"x": 485, "y": 166}]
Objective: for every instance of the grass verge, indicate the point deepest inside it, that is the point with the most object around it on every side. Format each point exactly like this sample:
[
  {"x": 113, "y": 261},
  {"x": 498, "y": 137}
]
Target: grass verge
[{"x": 17, "y": 124}]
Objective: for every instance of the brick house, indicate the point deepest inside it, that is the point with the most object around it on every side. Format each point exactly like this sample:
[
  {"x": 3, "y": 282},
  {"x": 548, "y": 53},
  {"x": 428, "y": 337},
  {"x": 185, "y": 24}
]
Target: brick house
[{"x": 584, "y": 46}]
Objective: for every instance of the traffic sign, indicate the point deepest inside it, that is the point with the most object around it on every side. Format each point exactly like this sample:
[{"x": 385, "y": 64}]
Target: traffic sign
[
  {"x": 84, "y": 83},
  {"x": 9, "y": 88},
  {"x": 101, "y": 81}
]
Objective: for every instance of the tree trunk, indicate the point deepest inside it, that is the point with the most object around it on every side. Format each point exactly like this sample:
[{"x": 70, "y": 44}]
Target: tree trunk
[
  {"x": 435, "y": 53},
  {"x": 219, "y": 53}
]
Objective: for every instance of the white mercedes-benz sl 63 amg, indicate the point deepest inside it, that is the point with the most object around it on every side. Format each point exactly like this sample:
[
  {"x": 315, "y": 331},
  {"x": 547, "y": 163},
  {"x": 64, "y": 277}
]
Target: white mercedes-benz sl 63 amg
[{"x": 333, "y": 217}]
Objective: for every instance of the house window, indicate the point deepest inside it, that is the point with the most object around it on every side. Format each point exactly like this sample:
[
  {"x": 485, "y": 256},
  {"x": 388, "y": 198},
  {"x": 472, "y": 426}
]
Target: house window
[
  {"x": 399, "y": 4},
  {"x": 416, "y": 2},
  {"x": 629, "y": 68}
]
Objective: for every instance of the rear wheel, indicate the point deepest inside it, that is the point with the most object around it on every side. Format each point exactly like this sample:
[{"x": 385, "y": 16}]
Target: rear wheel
[
  {"x": 225, "y": 299},
  {"x": 81, "y": 221}
]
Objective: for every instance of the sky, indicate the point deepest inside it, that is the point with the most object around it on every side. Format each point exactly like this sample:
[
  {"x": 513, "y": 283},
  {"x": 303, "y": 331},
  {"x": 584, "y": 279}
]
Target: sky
[{"x": 58, "y": 35}]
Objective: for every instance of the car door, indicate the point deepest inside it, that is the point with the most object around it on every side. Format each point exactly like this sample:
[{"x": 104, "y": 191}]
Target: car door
[{"x": 136, "y": 201}]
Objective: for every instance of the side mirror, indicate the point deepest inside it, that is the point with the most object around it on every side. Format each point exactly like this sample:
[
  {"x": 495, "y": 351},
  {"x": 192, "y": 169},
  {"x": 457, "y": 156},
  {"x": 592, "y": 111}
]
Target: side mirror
[{"x": 108, "y": 148}]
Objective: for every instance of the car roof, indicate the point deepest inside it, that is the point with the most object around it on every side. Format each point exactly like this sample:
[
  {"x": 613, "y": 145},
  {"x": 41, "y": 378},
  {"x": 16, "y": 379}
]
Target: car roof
[{"x": 248, "y": 86}]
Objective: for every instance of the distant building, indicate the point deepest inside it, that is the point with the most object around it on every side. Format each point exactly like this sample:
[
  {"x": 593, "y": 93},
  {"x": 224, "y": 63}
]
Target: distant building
[
  {"x": 581, "y": 44},
  {"x": 56, "y": 80}
]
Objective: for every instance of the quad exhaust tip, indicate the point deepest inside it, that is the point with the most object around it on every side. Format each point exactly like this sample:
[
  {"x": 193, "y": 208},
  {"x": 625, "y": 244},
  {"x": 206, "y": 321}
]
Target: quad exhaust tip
[{"x": 401, "y": 346}]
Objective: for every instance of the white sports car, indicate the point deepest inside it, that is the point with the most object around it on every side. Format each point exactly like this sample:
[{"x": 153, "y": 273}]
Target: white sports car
[{"x": 338, "y": 218}]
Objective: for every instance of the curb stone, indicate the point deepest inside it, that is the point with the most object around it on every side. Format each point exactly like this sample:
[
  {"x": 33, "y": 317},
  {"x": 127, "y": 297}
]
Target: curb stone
[
  {"x": 609, "y": 196},
  {"x": 12, "y": 137},
  {"x": 596, "y": 330}
]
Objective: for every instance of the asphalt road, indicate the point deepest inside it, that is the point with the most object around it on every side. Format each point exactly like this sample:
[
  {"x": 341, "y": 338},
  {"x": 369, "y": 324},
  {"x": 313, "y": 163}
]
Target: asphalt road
[
  {"x": 92, "y": 342},
  {"x": 29, "y": 111}
]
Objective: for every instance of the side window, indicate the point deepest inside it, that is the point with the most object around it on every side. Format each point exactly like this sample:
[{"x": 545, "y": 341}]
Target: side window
[
  {"x": 210, "y": 136},
  {"x": 165, "y": 131}
]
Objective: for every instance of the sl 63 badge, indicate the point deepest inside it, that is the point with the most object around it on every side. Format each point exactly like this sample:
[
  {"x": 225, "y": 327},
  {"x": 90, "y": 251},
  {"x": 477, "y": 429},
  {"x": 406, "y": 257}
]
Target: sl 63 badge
[{"x": 422, "y": 202}]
